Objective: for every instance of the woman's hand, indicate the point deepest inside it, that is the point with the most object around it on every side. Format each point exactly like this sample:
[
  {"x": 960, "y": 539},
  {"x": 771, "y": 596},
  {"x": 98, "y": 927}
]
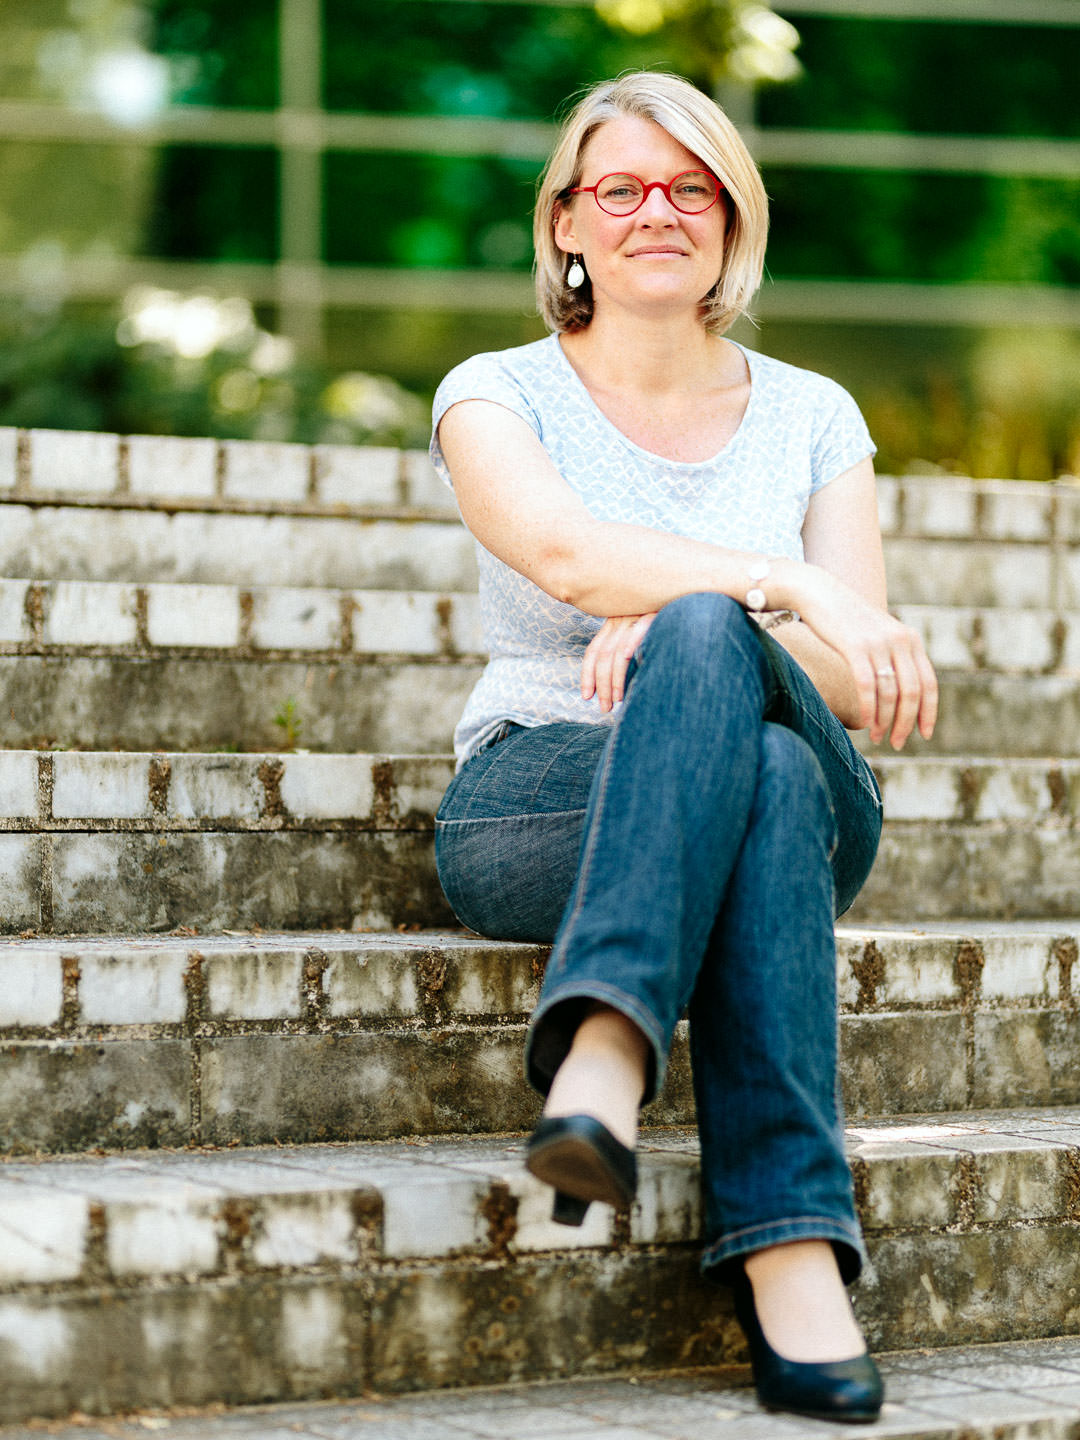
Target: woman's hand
[
  {"x": 608, "y": 656},
  {"x": 895, "y": 685}
]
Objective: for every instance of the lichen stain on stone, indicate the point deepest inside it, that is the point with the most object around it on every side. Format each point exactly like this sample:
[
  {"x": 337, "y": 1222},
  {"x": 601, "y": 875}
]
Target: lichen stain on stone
[
  {"x": 939, "y": 1308},
  {"x": 444, "y": 613},
  {"x": 431, "y": 973},
  {"x": 969, "y": 788},
  {"x": 382, "y": 784},
  {"x": 1059, "y": 635},
  {"x": 34, "y": 608},
  {"x": 966, "y": 1188},
  {"x": 271, "y": 773},
  {"x": 869, "y": 972},
  {"x": 160, "y": 775},
  {"x": 968, "y": 970},
  {"x": 1064, "y": 951},
  {"x": 1070, "y": 1165},
  {"x": 236, "y": 1225},
  {"x": 860, "y": 1178},
  {"x": 1059, "y": 793}
]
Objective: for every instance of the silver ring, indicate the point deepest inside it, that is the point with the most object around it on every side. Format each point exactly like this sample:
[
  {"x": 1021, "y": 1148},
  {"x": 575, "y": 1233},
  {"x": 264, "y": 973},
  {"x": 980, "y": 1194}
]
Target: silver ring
[{"x": 888, "y": 670}]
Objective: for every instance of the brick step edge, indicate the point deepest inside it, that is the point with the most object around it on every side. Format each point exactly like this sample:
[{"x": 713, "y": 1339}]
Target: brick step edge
[
  {"x": 119, "y": 617},
  {"x": 86, "y": 789},
  {"x": 51, "y": 466},
  {"x": 55, "y": 987},
  {"x": 405, "y": 1267},
  {"x": 227, "y": 1040}
]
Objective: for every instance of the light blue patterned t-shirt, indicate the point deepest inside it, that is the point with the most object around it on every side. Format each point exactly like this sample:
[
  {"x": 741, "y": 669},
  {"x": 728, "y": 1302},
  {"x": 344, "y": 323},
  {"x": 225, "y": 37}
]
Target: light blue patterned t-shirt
[{"x": 799, "y": 431}]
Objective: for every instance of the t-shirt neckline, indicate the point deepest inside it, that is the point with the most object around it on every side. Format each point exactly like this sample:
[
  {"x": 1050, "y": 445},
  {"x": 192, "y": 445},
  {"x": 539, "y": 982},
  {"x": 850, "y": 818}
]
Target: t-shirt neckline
[{"x": 722, "y": 454}]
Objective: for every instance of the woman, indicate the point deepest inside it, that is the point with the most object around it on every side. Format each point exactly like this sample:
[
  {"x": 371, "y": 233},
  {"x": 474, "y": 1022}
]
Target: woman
[{"x": 647, "y": 775}]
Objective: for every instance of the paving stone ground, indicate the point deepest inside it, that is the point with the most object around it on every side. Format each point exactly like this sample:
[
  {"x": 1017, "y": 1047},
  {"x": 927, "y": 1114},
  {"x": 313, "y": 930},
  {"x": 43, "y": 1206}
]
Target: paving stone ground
[{"x": 1020, "y": 1391}]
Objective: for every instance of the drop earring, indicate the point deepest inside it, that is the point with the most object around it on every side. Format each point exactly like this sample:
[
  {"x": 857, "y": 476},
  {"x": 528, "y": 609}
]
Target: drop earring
[{"x": 575, "y": 276}]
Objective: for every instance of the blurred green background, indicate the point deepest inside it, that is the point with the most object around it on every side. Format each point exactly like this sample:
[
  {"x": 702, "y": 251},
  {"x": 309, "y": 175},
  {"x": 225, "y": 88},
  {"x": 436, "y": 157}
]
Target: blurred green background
[{"x": 288, "y": 218}]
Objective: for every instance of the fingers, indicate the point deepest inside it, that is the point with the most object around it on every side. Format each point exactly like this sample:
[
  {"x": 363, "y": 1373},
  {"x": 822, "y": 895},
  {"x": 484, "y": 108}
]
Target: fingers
[
  {"x": 906, "y": 691},
  {"x": 607, "y": 658}
]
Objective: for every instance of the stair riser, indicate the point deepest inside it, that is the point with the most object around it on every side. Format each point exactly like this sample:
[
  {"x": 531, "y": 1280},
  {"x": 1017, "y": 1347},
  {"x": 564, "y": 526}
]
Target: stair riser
[
  {"x": 409, "y": 1328},
  {"x": 931, "y": 872},
  {"x": 141, "y": 547},
  {"x": 170, "y": 703},
  {"x": 159, "y": 1088},
  {"x": 99, "y": 883},
  {"x": 79, "y": 883}
]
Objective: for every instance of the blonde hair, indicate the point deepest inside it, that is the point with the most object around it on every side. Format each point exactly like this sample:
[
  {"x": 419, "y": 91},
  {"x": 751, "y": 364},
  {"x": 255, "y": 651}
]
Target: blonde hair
[{"x": 700, "y": 125}]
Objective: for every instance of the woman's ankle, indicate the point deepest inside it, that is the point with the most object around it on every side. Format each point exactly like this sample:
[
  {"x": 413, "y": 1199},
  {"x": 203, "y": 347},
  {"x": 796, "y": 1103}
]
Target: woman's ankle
[
  {"x": 603, "y": 1074},
  {"x": 802, "y": 1304}
]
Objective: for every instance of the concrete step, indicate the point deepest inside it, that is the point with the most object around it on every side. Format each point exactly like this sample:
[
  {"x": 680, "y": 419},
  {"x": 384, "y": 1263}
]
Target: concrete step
[
  {"x": 310, "y": 621},
  {"x": 177, "y": 700},
  {"x": 1019, "y": 1390},
  {"x": 43, "y": 467},
  {"x": 97, "y": 617},
  {"x": 67, "y": 467},
  {"x": 269, "y": 1038},
  {"x": 254, "y": 1275},
  {"x": 415, "y": 551},
  {"x": 170, "y": 701},
  {"x": 418, "y": 550},
  {"x": 132, "y": 842},
  {"x": 95, "y": 842}
]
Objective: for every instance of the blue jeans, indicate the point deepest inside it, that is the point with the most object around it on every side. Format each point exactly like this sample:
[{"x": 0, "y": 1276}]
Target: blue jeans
[{"x": 691, "y": 857}]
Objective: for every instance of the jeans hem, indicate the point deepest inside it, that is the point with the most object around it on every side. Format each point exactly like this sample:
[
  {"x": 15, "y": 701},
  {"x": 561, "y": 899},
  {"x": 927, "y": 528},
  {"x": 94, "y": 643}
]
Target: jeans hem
[
  {"x": 628, "y": 1005},
  {"x": 719, "y": 1260}
]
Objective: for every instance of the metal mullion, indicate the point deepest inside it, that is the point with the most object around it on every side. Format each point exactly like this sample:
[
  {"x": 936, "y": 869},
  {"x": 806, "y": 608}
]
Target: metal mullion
[
  {"x": 1058, "y": 13},
  {"x": 300, "y": 138},
  {"x": 374, "y": 287}
]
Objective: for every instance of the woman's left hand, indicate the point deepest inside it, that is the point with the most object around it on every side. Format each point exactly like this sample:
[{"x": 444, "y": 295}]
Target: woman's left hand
[{"x": 608, "y": 656}]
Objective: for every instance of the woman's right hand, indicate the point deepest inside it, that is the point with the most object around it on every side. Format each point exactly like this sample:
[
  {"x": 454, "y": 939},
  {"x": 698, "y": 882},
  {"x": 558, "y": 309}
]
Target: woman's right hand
[
  {"x": 894, "y": 684},
  {"x": 608, "y": 656}
]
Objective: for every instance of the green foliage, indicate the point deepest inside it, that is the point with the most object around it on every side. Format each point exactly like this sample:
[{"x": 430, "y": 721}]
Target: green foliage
[
  {"x": 68, "y": 370},
  {"x": 289, "y": 722}
]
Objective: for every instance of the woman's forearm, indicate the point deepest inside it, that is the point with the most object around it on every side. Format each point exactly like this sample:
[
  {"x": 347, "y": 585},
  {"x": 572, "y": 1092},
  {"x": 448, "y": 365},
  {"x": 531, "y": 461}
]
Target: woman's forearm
[{"x": 606, "y": 568}]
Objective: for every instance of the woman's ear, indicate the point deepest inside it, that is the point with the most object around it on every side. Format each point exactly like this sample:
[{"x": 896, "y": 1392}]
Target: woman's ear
[{"x": 565, "y": 234}]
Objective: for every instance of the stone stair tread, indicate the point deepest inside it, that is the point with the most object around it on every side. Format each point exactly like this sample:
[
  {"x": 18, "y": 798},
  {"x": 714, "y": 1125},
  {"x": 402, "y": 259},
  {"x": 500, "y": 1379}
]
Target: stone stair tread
[
  {"x": 1015, "y": 1390},
  {"x": 256, "y": 975},
  {"x": 117, "y": 615},
  {"x": 162, "y": 1213},
  {"x": 185, "y": 789},
  {"x": 95, "y": 615},
  {"x": 78, "y": 467}
]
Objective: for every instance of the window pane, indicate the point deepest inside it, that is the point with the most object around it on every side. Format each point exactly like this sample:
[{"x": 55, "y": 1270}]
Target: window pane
[
  {"x": 866, "y": 225},
  {"x": 454, "y": 58},
  {"x": 221, "y": 52},
  {"x": 215, "y": 204},
  {"x": 433, "y": 211},
  {"x": 931, "y": 78}
]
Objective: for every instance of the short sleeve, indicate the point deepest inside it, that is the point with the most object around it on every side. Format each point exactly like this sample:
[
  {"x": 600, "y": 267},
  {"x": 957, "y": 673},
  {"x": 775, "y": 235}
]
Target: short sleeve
[
  {"x": 483, "y": 377},
  {"x": 840, "y": 438}
]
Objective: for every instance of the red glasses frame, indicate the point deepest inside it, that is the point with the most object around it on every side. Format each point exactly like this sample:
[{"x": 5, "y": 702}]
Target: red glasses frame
[{"x": 664, "y": 186}]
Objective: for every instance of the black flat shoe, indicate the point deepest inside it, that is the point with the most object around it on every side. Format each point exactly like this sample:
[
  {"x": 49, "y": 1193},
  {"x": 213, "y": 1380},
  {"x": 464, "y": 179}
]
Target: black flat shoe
[
  {"x": 583, "y": 1160},
  {"x": 845, "y": 1390}
]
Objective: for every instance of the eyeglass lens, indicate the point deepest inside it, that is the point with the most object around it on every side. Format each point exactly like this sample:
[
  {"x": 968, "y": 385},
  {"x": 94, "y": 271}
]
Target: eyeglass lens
[{"x": 693, "y": 191}]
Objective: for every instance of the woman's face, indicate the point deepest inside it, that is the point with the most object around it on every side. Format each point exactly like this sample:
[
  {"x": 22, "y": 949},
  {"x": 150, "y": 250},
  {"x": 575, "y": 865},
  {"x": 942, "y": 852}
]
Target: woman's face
[{"x": 657, "y": 258}]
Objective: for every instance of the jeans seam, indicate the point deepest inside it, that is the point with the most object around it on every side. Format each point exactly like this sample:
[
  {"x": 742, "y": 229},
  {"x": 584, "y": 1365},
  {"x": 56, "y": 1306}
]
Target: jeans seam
[{"x": 503, "y": 819}]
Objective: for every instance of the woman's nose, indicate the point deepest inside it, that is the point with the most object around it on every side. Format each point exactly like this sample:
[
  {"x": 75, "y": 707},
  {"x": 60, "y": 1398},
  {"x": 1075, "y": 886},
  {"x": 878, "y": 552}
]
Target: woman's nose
[{"x": 657, "y": 208}]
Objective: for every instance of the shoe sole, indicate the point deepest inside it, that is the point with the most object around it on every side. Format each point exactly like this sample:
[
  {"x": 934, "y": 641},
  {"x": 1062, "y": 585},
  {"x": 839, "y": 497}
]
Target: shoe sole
[{"x": 574, "y": 1167}]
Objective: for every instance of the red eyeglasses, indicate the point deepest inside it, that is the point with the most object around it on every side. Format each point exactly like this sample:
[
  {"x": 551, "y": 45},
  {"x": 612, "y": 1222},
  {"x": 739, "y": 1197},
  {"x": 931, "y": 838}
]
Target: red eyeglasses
[{"x": 692, "y": 192}]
